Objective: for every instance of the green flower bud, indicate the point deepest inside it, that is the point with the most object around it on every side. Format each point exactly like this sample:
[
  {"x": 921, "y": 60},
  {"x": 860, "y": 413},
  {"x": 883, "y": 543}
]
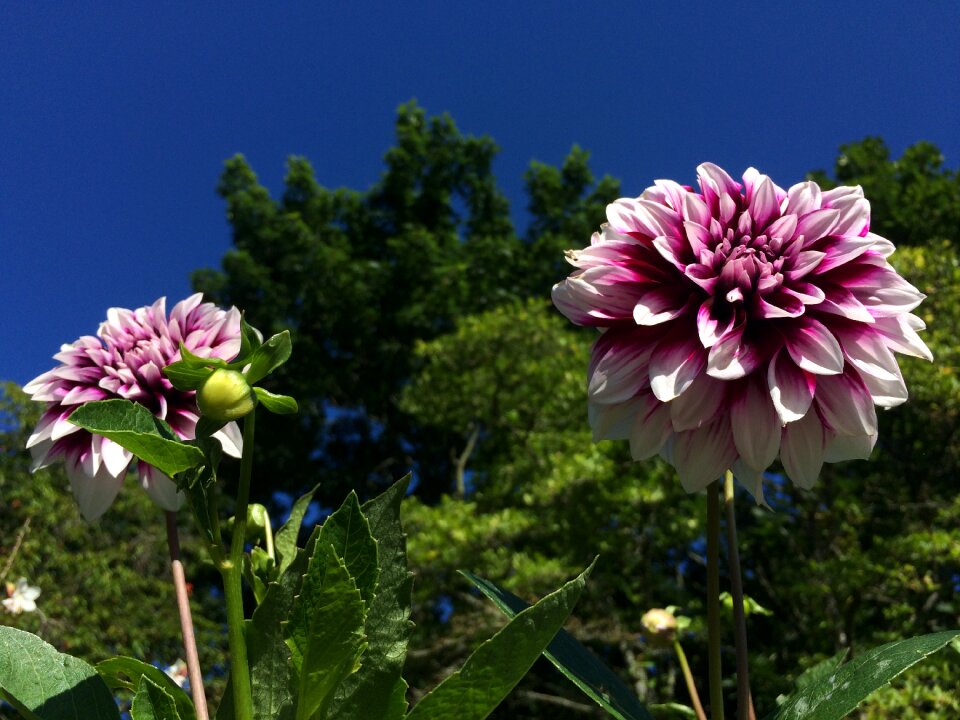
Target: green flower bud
[
  {"x": 226, "y": 396},
  {"x": 659, "y": 627}
]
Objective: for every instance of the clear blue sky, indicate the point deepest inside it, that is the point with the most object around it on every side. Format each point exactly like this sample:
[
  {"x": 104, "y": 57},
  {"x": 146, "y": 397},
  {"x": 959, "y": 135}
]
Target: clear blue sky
[{"x": 115, "y": 118}]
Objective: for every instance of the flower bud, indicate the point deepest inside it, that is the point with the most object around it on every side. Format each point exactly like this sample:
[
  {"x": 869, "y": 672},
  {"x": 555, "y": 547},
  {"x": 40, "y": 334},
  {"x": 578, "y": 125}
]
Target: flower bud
[
  {"x": 659, "y": 626},
  {"x": 226, "y": 396}
]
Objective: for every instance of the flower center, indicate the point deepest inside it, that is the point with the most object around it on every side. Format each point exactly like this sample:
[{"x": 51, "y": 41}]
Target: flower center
[{"x": 746, "y": 264}]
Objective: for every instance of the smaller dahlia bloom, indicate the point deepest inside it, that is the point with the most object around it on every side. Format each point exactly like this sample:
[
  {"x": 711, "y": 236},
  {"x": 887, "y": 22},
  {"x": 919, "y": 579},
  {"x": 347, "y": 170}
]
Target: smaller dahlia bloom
[
  {"x": 178, "y": 673},
  {"x": 742, "y": 323},
  {"x": 21, "y": 597},
  {"x": 124, "y": 360}
]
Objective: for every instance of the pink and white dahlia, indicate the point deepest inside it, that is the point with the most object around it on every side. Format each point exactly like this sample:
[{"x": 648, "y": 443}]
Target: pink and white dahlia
[
  {"x": 741, "y": 323},
  {"x": 124, "y": 360}
]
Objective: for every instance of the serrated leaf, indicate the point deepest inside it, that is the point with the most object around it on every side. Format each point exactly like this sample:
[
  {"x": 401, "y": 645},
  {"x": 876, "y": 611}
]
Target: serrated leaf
[
  {"x": 575, "y": 661},
  {"x": 325, "y": 632},
  {"x": 840, "y": 693},
  {"x": 277, "y": 404},
  {"x": 135, "y": 428},
  {"x": 377, "y": 689},
  {"x": 285, "y": 540},
  {"x": 492, "y": 671},
  {"x": 153, "y": 703},
  {"x": 49, "y": 684},
  {"x": 268, "y": 357},
  {"x": 348, "y": 531},
  {"x": 127, "y": 673}
]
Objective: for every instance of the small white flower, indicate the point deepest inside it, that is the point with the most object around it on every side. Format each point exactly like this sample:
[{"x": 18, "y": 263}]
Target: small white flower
[
  {"x": 178, "y": 672},
  {"x": 22, "y": 597}
]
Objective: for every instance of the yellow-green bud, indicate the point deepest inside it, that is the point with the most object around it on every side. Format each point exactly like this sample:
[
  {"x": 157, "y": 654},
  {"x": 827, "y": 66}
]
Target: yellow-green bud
[
  {"x": 226, "y": 396},
  {"x": 659, "y": 626}
]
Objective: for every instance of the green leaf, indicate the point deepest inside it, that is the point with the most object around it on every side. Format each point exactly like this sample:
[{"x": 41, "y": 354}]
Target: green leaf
[
  {"x": 325, "y": 632},
  {"x": 250, "y": 338},
  {"x": 840, "y": 693},
  {"x": 195, "y": 361},
  {"x": 348, "y": 531},
  {"x": 49, "y": 684},
  {"x": 285, "y": 540},
  {"x": 277, "y": 404},
  {"x": 377, "y": 689},
  {"x": 135, "y": 428},
  {"x": 153, "y": 703},
  {"x": 207, "y": 426},
  {"x": 268, "y": 357},
  {"x": 127, "y": 673},
  {"x": 492, "y": 671},
  {"x": 574, "y": 660}
]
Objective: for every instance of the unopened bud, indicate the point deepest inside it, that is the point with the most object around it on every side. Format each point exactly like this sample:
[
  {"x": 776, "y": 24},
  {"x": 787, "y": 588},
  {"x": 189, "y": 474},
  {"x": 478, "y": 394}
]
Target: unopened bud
[
  {"x": 659, "y": 626},
  {"x": 226, "y": 396}
]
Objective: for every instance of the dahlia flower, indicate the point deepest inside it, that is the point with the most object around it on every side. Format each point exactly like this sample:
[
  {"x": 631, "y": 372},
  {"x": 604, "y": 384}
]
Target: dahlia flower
[
  {"x": 741, "y": 323},
  {"x": 125, "y": 360}
]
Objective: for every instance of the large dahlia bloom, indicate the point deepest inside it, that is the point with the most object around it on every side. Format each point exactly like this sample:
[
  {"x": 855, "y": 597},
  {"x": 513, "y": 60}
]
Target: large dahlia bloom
[
  {"x": 741, "y": 323},
  {"x": 124, "y": 360}
]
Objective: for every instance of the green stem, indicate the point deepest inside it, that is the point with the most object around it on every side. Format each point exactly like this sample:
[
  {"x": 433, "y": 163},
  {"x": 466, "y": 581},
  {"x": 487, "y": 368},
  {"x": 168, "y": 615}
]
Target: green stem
[
  {"x": 744, "y": 698},
  {"x": 230, "y": 569},
  {"x": 688, "y": 676},
  {"x": 713, "y": 600}
]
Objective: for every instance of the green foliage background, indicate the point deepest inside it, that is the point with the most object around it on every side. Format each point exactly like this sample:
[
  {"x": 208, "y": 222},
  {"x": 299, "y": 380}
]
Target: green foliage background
[{"x": 424, "y": 341}]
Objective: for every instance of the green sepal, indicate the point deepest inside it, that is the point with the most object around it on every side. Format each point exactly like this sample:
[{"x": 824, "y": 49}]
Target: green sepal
[
  {"x": 277, "y": 404},
  {"x": 207, "y": 426},
  {"x": 266, "y": 358},
  {"x": 250, "y": 339},
  {"x": 186, "y": 377}
]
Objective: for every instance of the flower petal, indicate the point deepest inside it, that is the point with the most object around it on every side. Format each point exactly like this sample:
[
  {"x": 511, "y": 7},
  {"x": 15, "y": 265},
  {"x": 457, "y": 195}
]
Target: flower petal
[
  {"x": 93, "y": 493},
  {"x": 791, "y": 388},
  {"x": 802, "y": 450},
  {"x": 703, "y": 455},
  {"x": 618, "y": 367},
  {"x": 161, "y": 489},
  {"x": 699, "y": 404},
  {"x": 756, "y": 430},
  {"x": 651, "y": 429},
  {"x": 845, "y": 404},
  {"x": 844, "y": 447},
  {"x": 674, "y": 365},
  {"x": 813, "y": 347}
]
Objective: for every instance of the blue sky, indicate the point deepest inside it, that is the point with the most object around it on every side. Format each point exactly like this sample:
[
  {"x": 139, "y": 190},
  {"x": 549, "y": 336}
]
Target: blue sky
[{"x": 115, "y": 118}]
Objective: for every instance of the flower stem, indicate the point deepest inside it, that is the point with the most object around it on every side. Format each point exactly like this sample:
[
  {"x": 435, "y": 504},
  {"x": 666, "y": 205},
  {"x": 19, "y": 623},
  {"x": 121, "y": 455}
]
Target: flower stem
[
  {"x": 231, "y": 570},
  {"x": 713, "y": 600},
  {"x": 744, "y": 698},
  {"x": 186, "y": 619},
  {"x": 688, "y": 676}
]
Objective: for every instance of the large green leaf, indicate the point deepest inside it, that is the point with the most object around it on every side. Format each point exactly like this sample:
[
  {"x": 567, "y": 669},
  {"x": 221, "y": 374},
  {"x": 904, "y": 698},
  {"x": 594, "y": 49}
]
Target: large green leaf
[
  {"x": 128, "y": 672},
  {"x": 285, "y": 540},
  {"x": 325, "y": 631},
  {"x": 49, "y": 684},
  {"x": 135, "y": 428},
  {"x": 348, "y": 531},
  {"x": 574, "y": 660},
  {"x": 377, "y": 690},
  {"x": 492, "y": 671},
  {"x": 153, "y": 703},
  {"x": 838, "y": 694}
]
